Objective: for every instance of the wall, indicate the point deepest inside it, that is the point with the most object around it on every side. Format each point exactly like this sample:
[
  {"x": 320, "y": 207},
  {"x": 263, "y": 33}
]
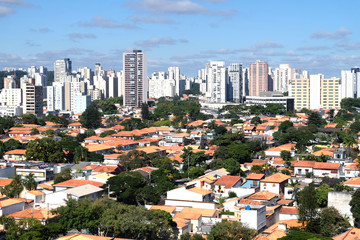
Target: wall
[
  {"x": 206, "y": 205},
  {"x": 271, "y": 187},
  {"x": 341, "y": 200}
]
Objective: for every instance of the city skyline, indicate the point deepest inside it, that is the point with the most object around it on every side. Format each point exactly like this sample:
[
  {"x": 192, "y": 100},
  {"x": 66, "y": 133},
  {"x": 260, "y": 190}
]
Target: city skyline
[{"x": 317, "y": 36}]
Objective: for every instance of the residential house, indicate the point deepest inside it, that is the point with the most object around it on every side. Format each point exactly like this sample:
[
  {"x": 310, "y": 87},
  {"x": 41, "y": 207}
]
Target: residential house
[
  {"x": 276, "y": 151},
  {"x": 352, "y": 170},
  {"x": 251, "y": 215},
  {"x": 287, "y": 213},
  {"x": 226, "y": 184},
  {"x": 15, "y": 155},
  {"x": 351, "y": 234},
  {"x": 75, "y": 183},
  {"x": 190, "y": 193},
  {"x": 11, "y": 205},
  {"x": 43, "y": 215},
  {"x": 325, "y": 169},
  {"x": 353, "y": 182},
  {"x": 58, "y": 198},
  {"x": 264, "y": 197},
  {"x": 253, "y": 180},
  {"x": 274, "y": 183},
  {"x": 35, "y": 195}
]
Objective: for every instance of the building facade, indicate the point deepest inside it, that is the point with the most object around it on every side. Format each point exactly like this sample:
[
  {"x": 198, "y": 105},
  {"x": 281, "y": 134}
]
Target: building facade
[{"x": 258, "y": 78}]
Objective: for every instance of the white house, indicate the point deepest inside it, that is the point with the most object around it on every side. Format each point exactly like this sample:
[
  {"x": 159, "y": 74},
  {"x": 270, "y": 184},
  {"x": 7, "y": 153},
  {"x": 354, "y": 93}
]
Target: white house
[
  {"x": 325, "y": 169},
  {"x": 353, "y": 182},
  {"x": 190, "y": 193},
  {"x": 253, "y": 216},
  {"x": 274, "y": 183},
  {"x": 225, "y": 184},
  {"x": 351, "y": 170},
  {"x": 301, "y": 168},
  {"x": 287, "y": 213},
  {"x": 9, "y": 206},
  {"x": 276, "y": 151},
  {"x": 35, "y": 195}
]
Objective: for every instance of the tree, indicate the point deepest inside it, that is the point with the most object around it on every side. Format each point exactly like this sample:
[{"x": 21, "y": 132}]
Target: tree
[
  {"x": 355, "y": 127},
  {"x": 316, "y": 119},
  {"x": 91, "y": 117},
  {"x": 107, "y": 133},
  {"x": 355, "y": 207},
  {"x": 232, "y": 166},
  {"x": 301, "y": 235},
  {"x": 45, "y": 149},
  {"x": 145, "y": 114},
  {"x": 230, "y": 231},
  {"x": 232, "y": 194},
  {"x": 256, "y": 121},
  {"x": 308, "y": 208},
  {"x": 14, "y": 188},
  {"x": 64, "y": 175},
  {"x": 294, "y": 185},
  {"x": 286, "y": 155},
  {"x": 187, "y": 236},
  {"x": 332, "y": 222},
  {"x": 322, "y": 195},
  {"x": 30, "y": 182},
  {"x": 126, "y": 186},
  {"x": 34, "y": 131}
]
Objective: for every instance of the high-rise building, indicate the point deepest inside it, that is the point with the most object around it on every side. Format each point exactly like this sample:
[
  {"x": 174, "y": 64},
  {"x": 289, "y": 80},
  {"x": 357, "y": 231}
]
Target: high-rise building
[
  {"x": 282, "y": 76},
  {"x": 174, "y": 74},
  {"x": 258, "y": 78},
  {"x": 315, "y": 86},
  {"x": 61, "y": 69},
  {"x": 235, "y": 83},
  {"x": 32, "y": 99},
  {"x": 329, "y": 93},
  {"x": 81, "y": 103},
  {"x": 216, "y": 76},
  {"x": 135, "y": 78},
  {"x": 161, "y": 86},
  {"x": 245, "y": 81},
  {"x": 300, "y": 90},
  {"x": 350, "y": 83}
]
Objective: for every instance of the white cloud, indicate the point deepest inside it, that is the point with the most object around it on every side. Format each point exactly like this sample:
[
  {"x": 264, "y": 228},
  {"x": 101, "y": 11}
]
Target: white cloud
[
  {"x": 103, "y": 22},
  {"x": 342, "y": 32}
]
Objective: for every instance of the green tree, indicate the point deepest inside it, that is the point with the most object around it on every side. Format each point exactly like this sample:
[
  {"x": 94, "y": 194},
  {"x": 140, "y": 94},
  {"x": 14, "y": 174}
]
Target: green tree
[
  {"x": 230, "y": 231},
  {"x": 256, "y": 121},
  {"x": 30, "y": 182},
  {"x": 107, "y": 133},
  {"x": 308, "y": 208},
  {"x": 355, "y": 127},
  {"x": 232, "y": 166},
  {"x": 64, "y": 175},
  {"x": 34, "y": 131},
  {"x": 286, "y": 155},
  {"x": 126, "y": 187},
  {"x": 145, "y": 114},
  {"x": 332, "y": 222},
  {"x": 14, "y": 188},
  {"x": 285, "y": 125},
  {"x": 316, "y": 119},
  {"x": 46, "y": 150},
  {"x": 91, "y": 117},
  {"x": 322, "y": 195},
  {"x": 355, "y": 207},
  {"x": 301, "y": 235}
]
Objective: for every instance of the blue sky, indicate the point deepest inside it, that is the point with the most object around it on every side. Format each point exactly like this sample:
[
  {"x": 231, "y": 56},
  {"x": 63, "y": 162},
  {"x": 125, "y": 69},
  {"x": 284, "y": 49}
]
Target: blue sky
[{"x": 319, "y": 36}]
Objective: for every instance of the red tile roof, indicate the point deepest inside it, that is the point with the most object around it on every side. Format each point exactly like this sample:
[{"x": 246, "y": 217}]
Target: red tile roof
[
  {"x": 262, "y": 195},
  {"x": 326, "y": 165},
  {"x": 276, "y": 178},
  {"x": 228, "y": 181},
  {"x": 255, "y": 176},
  {"x": 289, "y": 210},
  {"x": 77, "y": 183}
]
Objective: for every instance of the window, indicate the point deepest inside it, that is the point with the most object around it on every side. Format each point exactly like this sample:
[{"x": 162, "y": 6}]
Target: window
[{"x": 334, "y": 171}]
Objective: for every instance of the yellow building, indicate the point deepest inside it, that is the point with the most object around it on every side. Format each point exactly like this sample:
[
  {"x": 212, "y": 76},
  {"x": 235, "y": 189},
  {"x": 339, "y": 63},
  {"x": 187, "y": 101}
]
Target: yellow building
[
  {"x": 329, "y": 93},
  {"x": 300, "y": 90}
]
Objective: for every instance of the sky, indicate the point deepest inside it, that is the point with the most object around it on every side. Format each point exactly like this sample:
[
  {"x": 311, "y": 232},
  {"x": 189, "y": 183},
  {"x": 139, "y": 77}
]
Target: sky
[{"x": 320, "y": 36}]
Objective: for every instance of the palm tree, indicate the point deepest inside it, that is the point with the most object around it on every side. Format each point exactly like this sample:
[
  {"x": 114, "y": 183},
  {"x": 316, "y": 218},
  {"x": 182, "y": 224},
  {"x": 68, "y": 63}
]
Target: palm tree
[
  {"x": 30, "y": 182},
  {"x": 349, "y": 142},
  {"x": 294, "y": 186},
  {"x": 14, "y": 188}
]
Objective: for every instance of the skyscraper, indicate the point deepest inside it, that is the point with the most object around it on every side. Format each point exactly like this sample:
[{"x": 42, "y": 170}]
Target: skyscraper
[
  {"x": 235, "y": 84},
  {"x": 216, "y": 76},
  {"x": 61, "y": 69},
  {"x": 258, "y": 78},
  {"x": 282, "y": 76},
  {"x": 135, "y": 78}
]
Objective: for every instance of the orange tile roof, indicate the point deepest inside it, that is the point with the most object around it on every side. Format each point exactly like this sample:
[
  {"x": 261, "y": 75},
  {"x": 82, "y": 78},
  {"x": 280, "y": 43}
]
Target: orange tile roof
[
  {"x": 326, "y": 165},
  {"x": 353, "y": 181},
  {"x": 255, "y": 176},
  {"x": 202, "y": 211},
  {"x": 90, "y": 167},
  {"x": 5, "y": 181},
  {"x": 262, "y": 195},
  {"x": 9, "y": 201},
  {"x": 77, "y": 183},
  {"x": 351, "y": 234},
  {"x": 289, "y": 223},
  {"x": 181, "y": 222},
  {"x": 228, "y": 181},
  {"x": 276, "y": 178},
  {"x": 276, "y": 234},
  {"x": 248, "y": 201},
  {"x": 200, "y": 191},
  {"x": 169, "y": 209},
  {"x": 80, "y": 236},
  {"x": 45, "y": 186},
  {"x": 190, "y": 216},
  {"x": 16, "y": 152},
  {"x": 40, "y": 214},
  {"x": 98, "y": 147},
  {"x": 325, "y": 151},
  {"x": 352, "y": 166},
  {"x": 289, "y": 210},
  {"x": 309, "y": 164},
  {"x": 112, "y": 156},
  {"x": 286, "y": 147},
  {"x": 75, "y": 124},
  {"x": 36, "y": 192}
]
